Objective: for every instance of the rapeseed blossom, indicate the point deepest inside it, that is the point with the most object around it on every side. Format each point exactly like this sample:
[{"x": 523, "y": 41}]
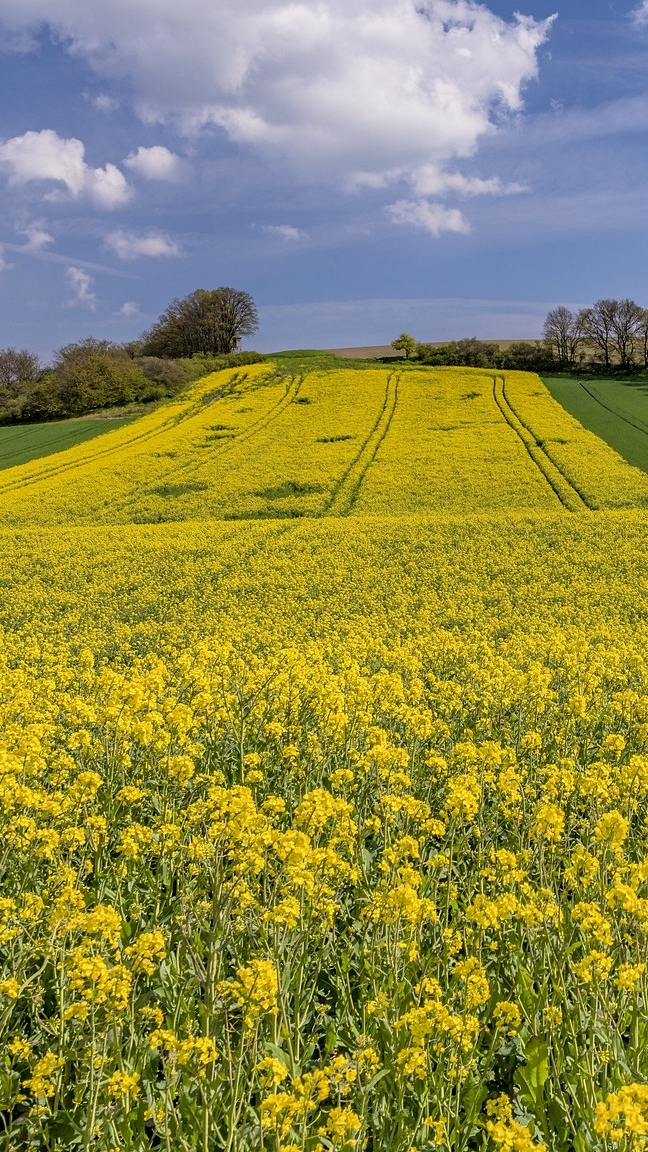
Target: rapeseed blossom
[{"x": 331, "y": 830}]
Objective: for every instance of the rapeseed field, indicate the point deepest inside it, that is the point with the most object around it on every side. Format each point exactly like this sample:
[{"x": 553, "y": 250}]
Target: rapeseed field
[{"x": 325, "y": 819}]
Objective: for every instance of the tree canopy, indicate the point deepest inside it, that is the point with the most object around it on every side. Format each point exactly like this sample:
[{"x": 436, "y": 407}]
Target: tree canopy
[{"x": 209, "y": 322}]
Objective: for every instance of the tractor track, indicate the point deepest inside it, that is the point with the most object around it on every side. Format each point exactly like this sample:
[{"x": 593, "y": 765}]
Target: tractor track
[
  {"x": 563, "y": 488},
  {"x": 347, "y": 488},
  {"x": 619, "y": 415}
]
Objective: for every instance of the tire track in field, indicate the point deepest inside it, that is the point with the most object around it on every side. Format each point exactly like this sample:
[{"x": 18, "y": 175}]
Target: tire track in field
[
  {"x": 174, "y": 420},
  {"x": 47, "y": 472},
  {"x": 196, "y": 463},
  {"x": 56, "y": 469},
  {"x": 565, "y": 491},
  {"x": 619, "y": 415},
  {"x": 291, "y": 393},
  {"x": 347, "y": 488}
]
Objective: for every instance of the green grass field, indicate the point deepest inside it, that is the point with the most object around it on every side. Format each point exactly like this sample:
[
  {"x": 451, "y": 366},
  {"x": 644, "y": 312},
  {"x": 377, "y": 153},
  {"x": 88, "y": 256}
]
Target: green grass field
[
  {"x": 615, "y": 410},
  {"x": 24, "y": 442}
]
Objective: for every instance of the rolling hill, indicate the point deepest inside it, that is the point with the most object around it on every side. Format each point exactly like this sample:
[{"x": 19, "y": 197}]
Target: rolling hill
[{"x": 268, "y": 443}]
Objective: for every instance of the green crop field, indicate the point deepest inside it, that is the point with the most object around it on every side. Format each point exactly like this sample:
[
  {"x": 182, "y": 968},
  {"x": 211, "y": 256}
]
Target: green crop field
[
  {"x": 615, "y": 410},
  {"x": 21, "y": 443}
]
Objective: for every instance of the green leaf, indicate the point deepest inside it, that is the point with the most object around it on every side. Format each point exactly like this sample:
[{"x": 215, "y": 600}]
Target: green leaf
[{"x": 531, "y": 1077}]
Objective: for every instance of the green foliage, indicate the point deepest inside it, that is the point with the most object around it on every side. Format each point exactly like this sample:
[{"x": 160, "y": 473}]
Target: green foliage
[
  {"x": 210, "y": 322},
  {"x": 96, "y": 374},
  {"x": 405, "y": 342},
  {"x": 520, "y": 356}
]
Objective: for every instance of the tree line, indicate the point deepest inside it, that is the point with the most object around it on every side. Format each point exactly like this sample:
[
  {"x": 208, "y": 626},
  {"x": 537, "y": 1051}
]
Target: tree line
[
  {"x": 195, "y": 335},
  {"x": 609, "y": 336},
  {"x": 612, "y": 334}
]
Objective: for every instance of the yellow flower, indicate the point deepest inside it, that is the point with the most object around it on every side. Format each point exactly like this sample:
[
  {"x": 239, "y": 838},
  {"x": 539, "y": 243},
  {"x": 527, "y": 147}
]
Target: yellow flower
[
  {"x": 611, "y": 831},
  {"x": 623, "y": 1113},
  {"x": 273, "y": 1071},
  {"x": 507, "y": 1017},
  {"x": 505, "y": 1132},
  {"x": 255, "y": 990},
  {"x": 594, "y": 966},
  {"x": 147, "y": 949},
  {"x": 548, "y": 823},
  {"x": 629, "y": 975},
  {"x": 122, "y": 1084},
  {"x": 39, "y": 1083},
  {"x": 412, "y": 1062}
]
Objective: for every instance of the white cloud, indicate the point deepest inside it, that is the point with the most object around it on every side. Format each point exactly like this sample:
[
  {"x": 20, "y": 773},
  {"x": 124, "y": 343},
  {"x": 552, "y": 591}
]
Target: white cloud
[
  {"x": 434, "y": 218},
  {"x": 128, "y": 246},
  {"x": 285, "y": 231},
  {"x": 429, "y": 181},
  {"x": 37, "y": 237},
  {"x": 129, "y": 308},
  {"x": 640, "y": 14},
  {"x": 47, "y": 156},
  {"x": 105, "y": 103},
  {"x": 80, "y": 283},
  {"x": 156, "y": 163},
  {"x": 358, "y": 90}
]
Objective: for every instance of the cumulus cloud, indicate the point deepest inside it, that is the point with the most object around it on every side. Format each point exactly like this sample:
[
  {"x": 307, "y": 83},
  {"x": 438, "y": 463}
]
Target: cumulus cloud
[
  {"x": 80, "y": 283},
  {"x": 366, "y": 91},
  {"x": 429, "y": 181},
  {"x": 434, "y": 218},
  {"x": 640, "y": 14},
  {"x": 156, "y": 163},
  {"x": 129, "y": 308},
  {"x": 128, "y": 246},
  {"x": 46, "y": 156},
  {"x": 285, "y": 231}
]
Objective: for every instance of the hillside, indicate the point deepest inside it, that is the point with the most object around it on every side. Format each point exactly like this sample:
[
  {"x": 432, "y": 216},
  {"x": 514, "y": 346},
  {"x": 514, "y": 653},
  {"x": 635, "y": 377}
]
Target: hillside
[
  {"x": 267, "y": 443},
  {"x": 324, "y": 803}
]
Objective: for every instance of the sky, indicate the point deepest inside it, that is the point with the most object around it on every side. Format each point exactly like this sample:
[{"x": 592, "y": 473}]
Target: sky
[{"x": 361, "y": 167}]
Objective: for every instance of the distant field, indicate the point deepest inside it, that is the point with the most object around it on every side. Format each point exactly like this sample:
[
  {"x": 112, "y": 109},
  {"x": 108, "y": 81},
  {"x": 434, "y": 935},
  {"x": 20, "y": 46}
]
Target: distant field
[
  {"x": 24, "y": 442},
  {"x": 615, "y": 410},
  {"x": 283, "y": 442}
]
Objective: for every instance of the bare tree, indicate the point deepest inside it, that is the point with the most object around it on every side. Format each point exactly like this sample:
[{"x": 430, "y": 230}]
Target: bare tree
[
  {"x": 562, "y": 332},
  {"x": 626, "y": 328},
  {"x": 598, "y": 323},
  {"x": 642, "y": 336},
  {"x": 211, "y": 322},
  {"x": 17, "y": 367}
]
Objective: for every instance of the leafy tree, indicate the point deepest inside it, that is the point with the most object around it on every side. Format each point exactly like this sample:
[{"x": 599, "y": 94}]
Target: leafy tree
[
  {"x": 212, "y": 322},
  {"x": 94, "y": 374},
  {"x": 562, "y": 333},
  {"x": 528, "y": 356},
  {"x": 405, "y": 342},
  {"x": 469, "y": 353}
]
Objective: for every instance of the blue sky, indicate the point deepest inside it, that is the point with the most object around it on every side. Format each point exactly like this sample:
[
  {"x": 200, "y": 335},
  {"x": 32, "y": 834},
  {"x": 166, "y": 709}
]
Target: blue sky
[{"x": 359, "y": 166}]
